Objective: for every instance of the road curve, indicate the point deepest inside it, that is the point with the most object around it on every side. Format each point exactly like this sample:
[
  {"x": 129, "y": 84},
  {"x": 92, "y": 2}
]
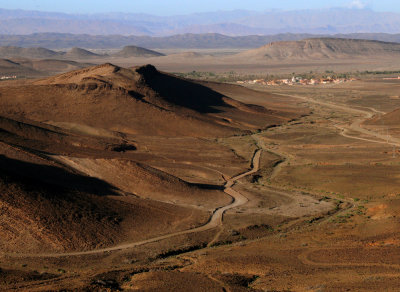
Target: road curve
[
  {"x": 356, "y": 125},
  {"x": 215, "y": 220}
]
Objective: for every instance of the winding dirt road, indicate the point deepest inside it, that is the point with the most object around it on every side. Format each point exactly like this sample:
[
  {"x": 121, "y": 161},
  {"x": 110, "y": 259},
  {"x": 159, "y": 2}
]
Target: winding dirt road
[
  {"x": 215, "y": 220},
  {"x": 356, "y": 125},
  {"x": 237, "y": 198}
]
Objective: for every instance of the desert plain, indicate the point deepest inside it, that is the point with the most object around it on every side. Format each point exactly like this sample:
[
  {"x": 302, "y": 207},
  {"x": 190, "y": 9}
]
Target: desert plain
[{"x": 117, "y": 175}]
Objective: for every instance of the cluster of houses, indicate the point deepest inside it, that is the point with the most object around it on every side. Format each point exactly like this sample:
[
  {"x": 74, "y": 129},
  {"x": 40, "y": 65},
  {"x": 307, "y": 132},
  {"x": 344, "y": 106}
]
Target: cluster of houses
[
  {"x": 297, "y": 81},
  {"x": 7, "y": 77}
]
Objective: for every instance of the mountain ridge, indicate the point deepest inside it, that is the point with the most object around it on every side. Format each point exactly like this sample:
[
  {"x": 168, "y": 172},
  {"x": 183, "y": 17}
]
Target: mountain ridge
[
  {"x": 78, "y": 53},
  {"x": 189, "y": 41},
  {"x": 234, "y": 23},
  {"x": 323, "y": 48},
  {"x": 140, "y": 100}
]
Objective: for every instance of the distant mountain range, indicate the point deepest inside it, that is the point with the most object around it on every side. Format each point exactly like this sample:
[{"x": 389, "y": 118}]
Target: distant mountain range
[
  {"x": 320, "y": 53},
  {"x": 74, "y": 53},
  {"x": 232, "y": 23},
  {"x": 183, "y": 41}
]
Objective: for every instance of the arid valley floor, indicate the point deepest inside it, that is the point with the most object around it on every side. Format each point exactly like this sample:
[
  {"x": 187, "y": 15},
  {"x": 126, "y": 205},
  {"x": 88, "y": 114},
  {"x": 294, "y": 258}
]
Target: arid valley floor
[{"x": 112, "y": 179}]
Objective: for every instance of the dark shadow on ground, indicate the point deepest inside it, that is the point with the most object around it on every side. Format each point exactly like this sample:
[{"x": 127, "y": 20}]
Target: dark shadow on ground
[
  {"x": 182, "y": 92},
  {"x": 39, "y": 175}
]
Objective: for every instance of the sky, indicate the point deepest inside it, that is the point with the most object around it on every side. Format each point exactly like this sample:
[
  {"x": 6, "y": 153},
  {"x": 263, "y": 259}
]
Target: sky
[{"x": 175, "y": 7}]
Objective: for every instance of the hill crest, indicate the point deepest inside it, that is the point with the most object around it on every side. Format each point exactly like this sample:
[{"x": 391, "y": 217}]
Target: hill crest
[
  {"x": 80, "y": 53},
  {"x": 323, "y": 48},
  {"x": 140, "y": 100},
  {"x": 134, "y": 51},
  {"x": 145, "y": 83},
  {"x": 34, "y": 52}
]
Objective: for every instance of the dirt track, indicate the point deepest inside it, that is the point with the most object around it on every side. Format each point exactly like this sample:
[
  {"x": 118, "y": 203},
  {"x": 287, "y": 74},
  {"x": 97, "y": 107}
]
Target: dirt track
[
  {"x": 215, "y": 220},
  {"x": 356, "y": 125},
  {"x": 237, "y": 198}
]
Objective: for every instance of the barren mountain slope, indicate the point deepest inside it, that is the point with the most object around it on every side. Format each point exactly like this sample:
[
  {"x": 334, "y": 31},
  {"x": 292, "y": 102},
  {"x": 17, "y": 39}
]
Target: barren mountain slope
[
  {"x": 323, "y": 48},
  {"x": 45, "y": 207},
  {"x": 51, "y": 66},
  {"x": 78, "y": 53},
  {"x": 36, "y": 53},
  {"x": 89, "y": 184},
  {"x": 103, "y": 157},
  {"x": 48, "y": 204},
  {"x": 22, "y": 67},
  {"x": 136, "y": 101},
  {"x": 13, "y": 68},
  {"x": 279, "y": 109},
  {"x": 133, "y": 51}
]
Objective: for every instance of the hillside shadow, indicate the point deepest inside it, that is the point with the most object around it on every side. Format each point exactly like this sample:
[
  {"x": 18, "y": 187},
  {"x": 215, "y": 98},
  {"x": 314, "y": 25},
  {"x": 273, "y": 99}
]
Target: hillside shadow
[
  {"x": 183, "y": 92},
  {"x": 41, "y": 175},
  {"x": 208, "y": 186}
]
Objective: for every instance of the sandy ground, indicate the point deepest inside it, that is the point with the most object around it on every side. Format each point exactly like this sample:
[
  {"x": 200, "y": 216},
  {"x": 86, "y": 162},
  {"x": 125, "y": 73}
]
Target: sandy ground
[{"x": 314, "y": 209}]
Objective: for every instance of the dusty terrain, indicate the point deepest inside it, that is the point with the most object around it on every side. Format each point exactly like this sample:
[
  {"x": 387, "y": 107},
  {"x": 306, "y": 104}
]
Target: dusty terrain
[
  {"x": 316, "y": 55},
  {"x": 133, "y": 179}
]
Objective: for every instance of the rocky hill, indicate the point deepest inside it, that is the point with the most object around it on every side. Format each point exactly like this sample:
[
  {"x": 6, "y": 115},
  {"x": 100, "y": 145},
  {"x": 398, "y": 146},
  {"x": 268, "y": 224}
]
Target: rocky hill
[
  {"x": 323, "y": 48},
  {"x": 78, "y": 53},
  {"x": 134, "y": 51},
  {"x": 141, "y": 100},
  {"x": 35, "y": 53}
]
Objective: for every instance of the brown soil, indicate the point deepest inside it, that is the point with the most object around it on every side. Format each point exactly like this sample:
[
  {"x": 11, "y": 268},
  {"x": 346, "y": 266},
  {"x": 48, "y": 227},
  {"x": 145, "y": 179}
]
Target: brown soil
[
  {"x": 95, "y": 201},
  {"x": 324, "y": 48},
  {"x": 138, "y": 101}
]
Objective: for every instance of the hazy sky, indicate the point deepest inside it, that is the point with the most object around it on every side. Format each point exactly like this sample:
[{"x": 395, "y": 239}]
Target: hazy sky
[{"x": 173, "y": 7}]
